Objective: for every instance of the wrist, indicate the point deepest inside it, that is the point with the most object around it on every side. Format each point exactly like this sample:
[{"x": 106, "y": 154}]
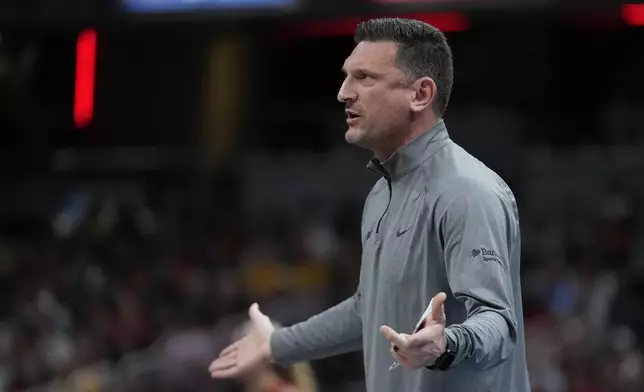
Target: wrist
[
  {"x": 266, "y": 351},
  {"x": 444, "y": 361}
]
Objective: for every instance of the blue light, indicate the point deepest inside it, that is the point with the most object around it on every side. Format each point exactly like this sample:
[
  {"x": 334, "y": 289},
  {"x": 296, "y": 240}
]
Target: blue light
[{"x": 196, "y": 5}]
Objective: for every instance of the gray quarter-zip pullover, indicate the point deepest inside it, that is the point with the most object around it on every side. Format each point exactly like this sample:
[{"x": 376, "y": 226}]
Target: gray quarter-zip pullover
[{"x": 437, "y": 220}]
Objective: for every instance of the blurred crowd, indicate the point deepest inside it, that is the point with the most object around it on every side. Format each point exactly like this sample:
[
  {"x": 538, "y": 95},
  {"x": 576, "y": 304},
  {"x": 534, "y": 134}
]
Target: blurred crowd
[
  {"x": 104, "y": 282},
  {"x": 139, "y": 293}
]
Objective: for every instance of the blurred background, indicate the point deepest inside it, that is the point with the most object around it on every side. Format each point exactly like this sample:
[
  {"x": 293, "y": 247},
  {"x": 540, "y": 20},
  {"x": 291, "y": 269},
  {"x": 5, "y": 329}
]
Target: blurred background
[{"x": 164, "y": 163}]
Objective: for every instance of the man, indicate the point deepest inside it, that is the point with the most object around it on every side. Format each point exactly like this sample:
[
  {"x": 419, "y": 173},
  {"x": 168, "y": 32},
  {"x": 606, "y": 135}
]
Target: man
[{"x": 438, "y": 221}]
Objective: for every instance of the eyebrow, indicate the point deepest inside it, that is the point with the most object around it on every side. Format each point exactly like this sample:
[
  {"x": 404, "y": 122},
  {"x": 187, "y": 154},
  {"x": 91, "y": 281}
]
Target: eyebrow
[{"x": 363, "y": 70}]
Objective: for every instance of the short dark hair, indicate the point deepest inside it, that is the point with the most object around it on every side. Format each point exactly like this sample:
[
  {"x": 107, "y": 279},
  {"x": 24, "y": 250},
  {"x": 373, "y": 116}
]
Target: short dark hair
[{"x": 422, "y": 51}]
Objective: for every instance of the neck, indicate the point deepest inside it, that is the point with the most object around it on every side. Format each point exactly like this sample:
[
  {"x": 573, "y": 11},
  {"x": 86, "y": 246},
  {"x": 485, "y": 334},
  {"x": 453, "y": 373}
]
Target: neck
[{"x": 401, "y": 139}]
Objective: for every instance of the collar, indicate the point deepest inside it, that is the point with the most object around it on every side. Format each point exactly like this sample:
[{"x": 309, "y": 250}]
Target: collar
[{"x": 412, "y": 154}]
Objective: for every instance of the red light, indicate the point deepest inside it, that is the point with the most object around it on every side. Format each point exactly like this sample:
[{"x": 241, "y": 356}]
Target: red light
[
  {"x": 445, "y": 21},
  {"x": 85, "y": 73},
  {"x": 633, "y": 14}
]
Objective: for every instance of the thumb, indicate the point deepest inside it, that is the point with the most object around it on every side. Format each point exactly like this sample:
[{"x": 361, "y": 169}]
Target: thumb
[
  {"x": 394, "y": 337},
  {"x": 258, "y": 318},
  {"x": 438, "y": 309}
]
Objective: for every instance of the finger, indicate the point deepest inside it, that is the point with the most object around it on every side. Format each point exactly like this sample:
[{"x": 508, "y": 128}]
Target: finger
[
  {"x": 425, "y": 337},
  {"x": 253, "y": 312},
  {"x": 394, "y": 337},
  {"x": 400, "y": 357},
  {"x": 222, "y": 365},
  {"x": 229, "y": 350},
  {"x": 257, "y": 317},
  {"x": 403, "y": 336},
  {"x": 396, "y": 352},
  {"x": 438, "y": 309},
  {"x": 230, "y": 372}
]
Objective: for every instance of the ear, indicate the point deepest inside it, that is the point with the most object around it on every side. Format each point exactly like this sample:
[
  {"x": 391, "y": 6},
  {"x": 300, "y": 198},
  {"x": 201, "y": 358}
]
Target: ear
[{"x": 424, "y": 94}]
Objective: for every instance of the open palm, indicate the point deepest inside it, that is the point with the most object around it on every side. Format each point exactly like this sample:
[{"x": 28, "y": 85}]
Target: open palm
[{"x": 247, "y": 353}]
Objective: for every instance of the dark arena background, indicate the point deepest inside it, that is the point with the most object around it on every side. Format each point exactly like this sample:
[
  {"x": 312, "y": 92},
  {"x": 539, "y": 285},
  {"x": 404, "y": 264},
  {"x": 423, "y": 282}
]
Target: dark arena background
[{"x": 165, "y": 163}]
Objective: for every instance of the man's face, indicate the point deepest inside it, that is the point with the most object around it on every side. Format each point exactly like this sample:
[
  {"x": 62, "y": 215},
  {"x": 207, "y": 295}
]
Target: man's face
[{"x": 375, "y": 93}]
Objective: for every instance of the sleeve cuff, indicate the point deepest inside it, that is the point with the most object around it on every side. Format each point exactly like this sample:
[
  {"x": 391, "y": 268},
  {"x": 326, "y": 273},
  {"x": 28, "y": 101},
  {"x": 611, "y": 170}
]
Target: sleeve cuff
[
  {"x": 279, "y": 347},
  {"x": 452, "y": 340}
]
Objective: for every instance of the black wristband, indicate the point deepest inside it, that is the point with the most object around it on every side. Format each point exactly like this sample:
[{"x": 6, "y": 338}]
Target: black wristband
[{"x": 445, "y": 360}]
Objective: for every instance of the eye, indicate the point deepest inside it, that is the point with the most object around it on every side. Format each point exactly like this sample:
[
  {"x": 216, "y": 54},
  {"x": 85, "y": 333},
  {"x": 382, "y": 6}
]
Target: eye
[{"x": 360, "y": 76}]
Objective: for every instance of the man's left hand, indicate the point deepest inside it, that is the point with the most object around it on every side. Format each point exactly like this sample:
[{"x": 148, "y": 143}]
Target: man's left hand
[{"x": 425, "y": 346}]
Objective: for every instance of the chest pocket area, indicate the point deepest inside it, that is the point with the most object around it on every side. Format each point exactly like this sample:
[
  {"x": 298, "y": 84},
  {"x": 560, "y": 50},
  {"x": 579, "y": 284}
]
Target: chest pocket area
[{"x": 405, "y": 242}]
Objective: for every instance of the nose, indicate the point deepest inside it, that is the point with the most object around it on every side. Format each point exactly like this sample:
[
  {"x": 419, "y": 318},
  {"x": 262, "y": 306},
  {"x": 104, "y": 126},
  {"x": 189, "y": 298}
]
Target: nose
[{"x": 346, "y": 93}]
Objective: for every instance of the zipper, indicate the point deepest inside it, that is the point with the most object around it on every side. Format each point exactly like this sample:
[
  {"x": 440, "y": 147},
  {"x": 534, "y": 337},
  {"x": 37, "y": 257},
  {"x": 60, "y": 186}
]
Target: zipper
[
  {"x": 388, "y": 204},
  {"x": 376, "y": 166}
]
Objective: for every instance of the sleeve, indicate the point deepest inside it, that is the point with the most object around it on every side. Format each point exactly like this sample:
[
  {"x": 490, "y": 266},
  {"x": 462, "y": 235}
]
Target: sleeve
[
  {"x": 478, "y": 226},
  {"x": 335, "y": 331}
]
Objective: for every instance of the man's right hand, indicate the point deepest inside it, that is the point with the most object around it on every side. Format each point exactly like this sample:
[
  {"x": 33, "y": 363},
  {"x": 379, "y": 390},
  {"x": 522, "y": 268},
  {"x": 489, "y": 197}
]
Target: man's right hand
[{"x": 247, "y": 353}]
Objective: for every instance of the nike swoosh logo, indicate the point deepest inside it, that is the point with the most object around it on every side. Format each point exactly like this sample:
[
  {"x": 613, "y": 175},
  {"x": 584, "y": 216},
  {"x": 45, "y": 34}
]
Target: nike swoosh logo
[{"x": 399, "y": 233}]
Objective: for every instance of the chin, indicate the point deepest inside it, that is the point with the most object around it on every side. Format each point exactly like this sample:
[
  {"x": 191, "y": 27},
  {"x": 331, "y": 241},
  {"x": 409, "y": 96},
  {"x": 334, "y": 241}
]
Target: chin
[{"x": 354, "y": 135}]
